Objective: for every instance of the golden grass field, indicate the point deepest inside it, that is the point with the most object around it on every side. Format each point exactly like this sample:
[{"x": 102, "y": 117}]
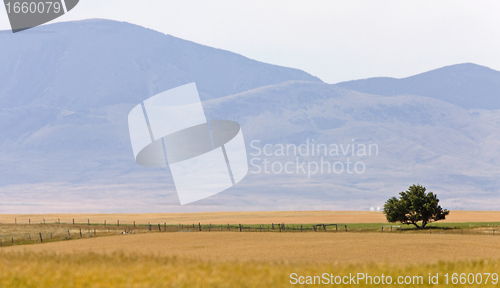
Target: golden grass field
[
  {"x": 247, "y": 259},
  {"x": 345, "y": 248},
  {"x": 118, "y": 270},
  {"x": 295, "y": 217}
]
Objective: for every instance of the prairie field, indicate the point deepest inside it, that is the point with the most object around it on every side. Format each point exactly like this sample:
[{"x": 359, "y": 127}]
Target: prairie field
[
  {"x": 128, "y": 270},
  {"x": 345, "y": 248},
  {"x": 296, "y": 217},
  {"x": 219, "y": 258}
]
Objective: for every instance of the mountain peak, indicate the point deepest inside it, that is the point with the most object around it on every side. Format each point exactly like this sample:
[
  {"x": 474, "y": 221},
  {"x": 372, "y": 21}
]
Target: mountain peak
[
  {"x": 52, "y": 65},
  {"x": 466, "y": 85}
]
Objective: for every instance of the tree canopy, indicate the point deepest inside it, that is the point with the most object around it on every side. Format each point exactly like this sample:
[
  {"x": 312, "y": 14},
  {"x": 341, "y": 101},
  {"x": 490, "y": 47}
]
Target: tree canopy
[{"x": 414, "y": 206}]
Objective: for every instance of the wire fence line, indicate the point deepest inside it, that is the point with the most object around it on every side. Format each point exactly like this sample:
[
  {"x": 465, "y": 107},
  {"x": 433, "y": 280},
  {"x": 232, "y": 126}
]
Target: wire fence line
[
  {"x": 50, "y": 230},
  {"x": 32, "y": 232}
]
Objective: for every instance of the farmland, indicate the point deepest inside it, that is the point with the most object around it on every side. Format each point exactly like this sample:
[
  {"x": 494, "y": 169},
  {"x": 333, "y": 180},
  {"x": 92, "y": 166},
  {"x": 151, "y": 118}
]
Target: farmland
[
  {"x": 166, "y": 257},
  {"x": 119, "y": 270},
  {"x": 302, "y": 217},
  {"x": 346, "y": 248}
]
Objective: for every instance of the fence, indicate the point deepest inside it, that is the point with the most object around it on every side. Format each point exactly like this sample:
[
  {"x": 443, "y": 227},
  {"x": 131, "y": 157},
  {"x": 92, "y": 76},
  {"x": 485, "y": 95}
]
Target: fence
[
  {"x": 30, "y": 232},
  {"x": 391, "y": 226},
  {"x": 273, "y": 227},
  {"x": 43, "y": 230}
]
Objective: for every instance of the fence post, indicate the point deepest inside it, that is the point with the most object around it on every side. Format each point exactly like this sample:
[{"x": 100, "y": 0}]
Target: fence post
[
  {"x": 43, "y": 220},
  {"x": 41, "y": 240},
  {"x": 228, "y": 228},
  {"x": 59, "y": 220},
  {"x": 12, "y": 240},
  {"x": 240, "y": 227},
  {"x": 95, "y": 232},
  {"x": 104, "y": 222},
  {"x": 69, "y": 234},
  {"x": 301, "y": 228},
  {"x": 29, "y": 237},
  {"x": 345, "y": 228},
  {"x": 118, "y": 223},
  {"x": 50, "y": 235},
  {"x": 88, "y": 221},
  {"x": 134, "y": 223},
  {"x": 199, "y": 225},
  {"x": 80, "y": 232},
  {"x": 159, "y": 227},
  {"x": 29, "y": 221},
  {"x": 324, "y": 227},
  {"x": 149, "y": 226},
  {"x": 272, "y": 225},
  {"x": 391, "y": 228},
  {"x": 15, "y": 220},
  {"x": 73, "y": 221}
]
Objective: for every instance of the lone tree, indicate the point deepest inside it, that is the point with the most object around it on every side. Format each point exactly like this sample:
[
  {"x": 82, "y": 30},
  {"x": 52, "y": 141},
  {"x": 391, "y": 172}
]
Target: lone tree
[{"x": 414, "y": 206}]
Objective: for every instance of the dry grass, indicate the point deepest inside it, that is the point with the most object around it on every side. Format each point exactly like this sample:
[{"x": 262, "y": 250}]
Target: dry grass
[
  {"x": 344, "y": 248},
  {"x": 207, "y": 217},
  {"x": 30, "y": 234},
  {"x": 137, "y": 270},
  {"x": 296, "y": 217},
  {"x": 233, "y": 259}
]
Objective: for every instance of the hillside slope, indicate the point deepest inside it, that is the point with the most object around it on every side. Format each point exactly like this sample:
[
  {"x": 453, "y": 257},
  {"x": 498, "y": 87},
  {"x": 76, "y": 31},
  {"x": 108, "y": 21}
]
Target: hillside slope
[{"x": 466, "y": 85}]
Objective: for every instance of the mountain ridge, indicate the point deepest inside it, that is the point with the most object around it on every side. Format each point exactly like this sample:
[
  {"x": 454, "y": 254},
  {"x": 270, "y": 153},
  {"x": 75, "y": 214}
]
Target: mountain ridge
[
  {"x": 466, "y": 85},
  {"x": 124, "y": 62},
  {"x": 67, "y": 148}
]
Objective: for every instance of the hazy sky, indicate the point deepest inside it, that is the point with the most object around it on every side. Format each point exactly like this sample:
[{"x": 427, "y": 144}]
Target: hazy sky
[{"x": 334, "y": 40}]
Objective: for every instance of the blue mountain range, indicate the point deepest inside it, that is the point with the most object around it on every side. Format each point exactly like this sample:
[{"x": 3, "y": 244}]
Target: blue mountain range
[{"x": 66, "y": 90}]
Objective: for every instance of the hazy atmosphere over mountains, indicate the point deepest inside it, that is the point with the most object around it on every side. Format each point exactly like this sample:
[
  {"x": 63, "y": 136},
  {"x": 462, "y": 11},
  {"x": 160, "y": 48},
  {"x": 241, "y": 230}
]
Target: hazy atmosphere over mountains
[
  {"x": 66, "y": 90},
  {"x": 465, "y": 85}
]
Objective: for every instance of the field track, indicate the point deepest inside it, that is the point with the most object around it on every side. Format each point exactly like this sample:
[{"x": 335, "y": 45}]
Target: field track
[
  {"x": 291, "y": 217},
  {"x": 342, "y": 248}
]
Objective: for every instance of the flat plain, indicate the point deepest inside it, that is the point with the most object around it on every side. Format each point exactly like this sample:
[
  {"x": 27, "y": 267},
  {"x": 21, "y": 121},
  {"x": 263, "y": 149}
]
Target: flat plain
[
  {"x": 249, "y": 258},
  {"x": 262, "y": 217},
  {"x": 307, "y": 247}
]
